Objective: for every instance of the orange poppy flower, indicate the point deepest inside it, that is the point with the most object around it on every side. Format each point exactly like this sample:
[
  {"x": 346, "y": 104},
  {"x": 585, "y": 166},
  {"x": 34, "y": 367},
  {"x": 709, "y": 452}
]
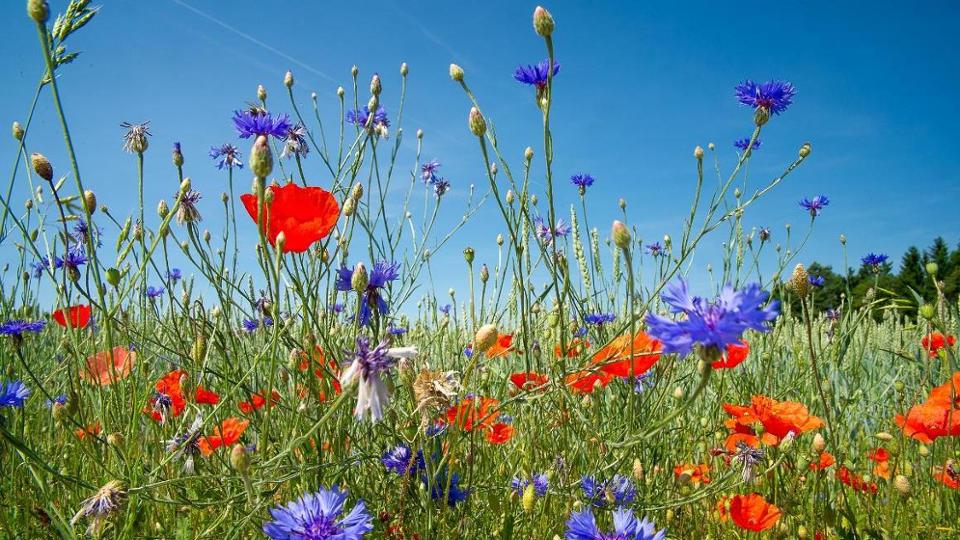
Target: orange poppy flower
[
  {"x": 826, "y": 460},
  {"x": 574, "y": 348},
  {"x": 698, "y": 474},
  {"x": 625, "y": 357},
  {"x": 855, "y": 481},
  {"x": 502, "y": 347},
  {"x": 226, "y": 434},
  {"x": 585, "y": 382},
  {"x": 91, "y": 429},
  {"x": 104, "y": 368},
  {"x": 722, "y": 509},
  {"x": 206, "y": 397},
  {"x": 168, "y": 398},
  {"x": 499, "y": 433},
  {"x": 303, "y": 214},
  {"x": 933, "y": 342},
  {"x": 78, "y": 316},
  {"x": 753, "y": 513},
  {"x": 748, "y": 439},
  {"x": 530, "y": 380},
  {"x": 323, "y": 366},
  {"x": 257, "y": 401},
  {"x": 474, "y": 413},
  {"x": 777, "y": 417},
  {"x": 938, "y": 416},
  {"x": 735, "y": 355},
  {"x": 947, "y": 476}
]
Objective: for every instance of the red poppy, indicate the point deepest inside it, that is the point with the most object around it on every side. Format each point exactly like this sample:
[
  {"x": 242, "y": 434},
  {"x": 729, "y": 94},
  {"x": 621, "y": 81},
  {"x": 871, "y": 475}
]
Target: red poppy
[
  {"x": 574, "y": 348},
  {"x": 753, "y": 513},
  {"x": 474, "y": 413},
  {"x": 168, "y": 398},
  {"x": 226, "y": 434},
  {"x": 104, "y": 368},
  {"x": 777, "y": 417},
  {"x": 735, "y": 355},
  {"x": 696, "y": 474},
  {"x": 322, "y": 366},
  {"x": 625, "y": 357},
  {"x": 257, "y": 401},
  {"x": 303, "y": 214},
  {"x": 938, "y": 416},
  {"x": 206, "y": 397},
  {"x": 78, "y": 316},
  {"x": 91, "y": 429},
  {"x": 855, "y": 481},
  {"x": 530, "y": 380},
  {"x": 502, "y": 347},
  {"x": 826, "y": 460},
  {"x": 499, "y": 433},
  {"x": 933, "y": 342},
  {"x": 585, "y": 382}
]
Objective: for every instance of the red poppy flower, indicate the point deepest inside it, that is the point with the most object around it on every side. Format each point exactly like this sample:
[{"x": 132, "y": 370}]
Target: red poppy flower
[
  {"x": 206, "y": 397},
  {"x": 530, "y": 380},
  {"x": 226, "y": 434},
  {"x": 91, "y": 429},
  {"x": 625, "y": 357},
  {"x": 168, "y": 398},
  {"x": 303, "y": 214},
  {"x": 826, "y": 460},
  {"x": 574, "y": 348},
  {"x": 933, "y": 342},
  {"x": 882, "y": 458},
  {"x": 753, "y": 513},
  {"x": 257, "y": 401},
  {"x": 499, "y": 433},
  {"x": 777, "y": 417},
  {"x": 104, "y": 368},
  {"x": 322, "y": 367},
  {"x": 78, "y": 316},
  {"x": 502, "y": 347},
  {"x": 473, "y": 413},
  {"x": 735, "y": 355},
  {"x": 855, "y": 481},
  {"x": 585, "y": 382},
  {"x": 696, "y": 474},
  {"x": 938, "y": 416}
]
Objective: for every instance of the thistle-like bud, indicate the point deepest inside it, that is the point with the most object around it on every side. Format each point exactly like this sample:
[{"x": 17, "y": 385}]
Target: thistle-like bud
[
  {"x": 928, "y": 312},
  {"x": 404, "y": 69},
  {"x": 485, "y": 338},
  {"x": 288, "y": 79},
  {"x": 239, "y": 459},
  {"x": 902, "y": 484},
  {"x": 528, "y": 498},
  {"x": 354, "y": 71},
  {"x": 843, "y": 239},
  {"x": 805, "y": 150},
  {"x": 340, "y": 92},
  {"x": 528, "y": 154},
  {"x": 510, "y": 196},
  {"x": 478, "y": 126},
  {"x": 89, "y": 201},
  {"x": 419, "y": 134},
  {"x": 711, "y": 146},
  {"x": 698, "y": 152},
  {"x": 819, "y": 444},
  {"x": 17, "y": 131},
  {"x": 357, "y": 191},
  {"x": 113, "y": 276},
  {"x": 499, "y": 239},
  {"x": 375, "y": 85},
  {"x": 185, "y": 185},
  {"x": 484, "y": 273},
  {"x": 620, "y": 235},
  {"x": 38, "y": 10},
  {"x": 261, "y": 159},
  {"x": 360, "y": 279},
  {"x": 456, "y": 72},
  {"x": 622, "y": 203},
  {"x": 42, "y": 166},
  {"x": 348, "y": 207},
  {"x": 542, "y": 22},
  {"x": 534, "y": 200},
  {"x": 932, "y": 268},
  {"x": 799, "y": 281},
  {"x": 372, "y": 105},
  {"x": 468, "y": 255},
  {"x": 162, "y": 209},
  {"x": 761, "y": 116}
]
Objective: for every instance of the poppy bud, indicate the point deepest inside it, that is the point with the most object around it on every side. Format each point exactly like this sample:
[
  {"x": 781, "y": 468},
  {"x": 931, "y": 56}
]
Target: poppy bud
[
  {"x": 819, "y": 444},
  {"x": 281, "y": 240},
  {"x": 620, "y": 235},
  {"x": 261, "y": 160},
  {"x": 927, "y": 311},
  {"x": 698, "y": 153},
  {"x": 542, "y": 22},
  {"x": 288, "y": 79},
  {"x": 340, "y": 92},
  {"x": 38, "y": 10},
  {"x": 485, "y": 338},
  {"x": 261, "y": 92},
  {"x": 42, "y": 166},
  {"x": 902, "y": 484},
  {"x": 17, "y": 131},
  {"x": 468, "y": 255},
  {"x": 375, "y": 86},
  {"x": 484, "y": 273},
  {"x": 239, "y": 459},
  {"x": 360, "y": 280},
  {"x": 456, "y": 72},
  {"x": 89, "y": 201},
  {"x": 162, "y": 209},
  {"x": 113, "y": 276},
  {"x": 404, "y": 69},
  {"x": 805, "y": 150},
  {"x": 478, "y": 126}
]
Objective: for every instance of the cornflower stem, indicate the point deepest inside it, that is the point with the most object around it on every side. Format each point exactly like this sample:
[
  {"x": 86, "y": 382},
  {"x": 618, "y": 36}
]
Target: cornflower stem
[{"x": 827, "y": 409}]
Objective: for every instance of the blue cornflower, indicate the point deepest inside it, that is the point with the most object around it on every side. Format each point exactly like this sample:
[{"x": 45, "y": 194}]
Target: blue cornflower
[
  {"x": 174, "y": 275},
  {"x": 154, "y": 292},
  {"x": 815, "y": 205},
  {"x": 13, "y": 394},
  {"x": 383, "y": 273},
  {"x": 536, "y": 75},
  {"x": 253, "y": 124},
  {"x": 316, "y": 516},
  {"x": 599, "y": 319},
  {"x": 428, "y": 170},
  {"x": 832, "y": 314},
  {"x": 438, "y": 488},
  {"x": 580, "y": 332},
  {"x": 655, "y": 249},
  {"x": 445, "y": 309},
  {"x": 619, "y": 490},
  {"x": 816, "y": 281},
  {"x": 774, "y": 96},
  {"x": 744, "y": 143},
  {"x": 582, "y": 181},
  {"x": 396, "y": 330},
  {"x": 57, "y": 400},
  {"x": 360, "y": 117},
  {"x": 73, "y": 259},
  {"x": 643, "y": 382},
  {"x": 436, "y": 429},
  {"x": 251, "y": 325},
  {"x": 401, "y": 461},
  {"x": 468, "y": 351},
  {"x": 81, "y": 233},
  {"x": 39, "y": 267},
  {"x": 546, "y": 234},
  {"x": 336, "y": 308},
  {"x": 226, "y": 155},
  {"x": 874, "y": 259},
  {"x": 764, "y": 234},
  {"x": 440, "y": 186},
  {"x": 368, "y": 367},
  {"x": 712, "y": 325},
  {"x": 17, "y": 327},
  {"x": 296, "y": 142},
  {"x": 582, "y": 525},
  {"x": 539, "y": 481}
]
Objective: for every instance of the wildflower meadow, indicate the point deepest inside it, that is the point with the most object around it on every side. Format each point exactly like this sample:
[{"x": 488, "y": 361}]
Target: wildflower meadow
[{"x": 303, "y": 371}]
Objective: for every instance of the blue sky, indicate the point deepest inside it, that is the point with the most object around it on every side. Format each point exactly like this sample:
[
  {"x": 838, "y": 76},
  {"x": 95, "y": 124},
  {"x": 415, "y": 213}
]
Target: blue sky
[{"x": 640, "y": 86}]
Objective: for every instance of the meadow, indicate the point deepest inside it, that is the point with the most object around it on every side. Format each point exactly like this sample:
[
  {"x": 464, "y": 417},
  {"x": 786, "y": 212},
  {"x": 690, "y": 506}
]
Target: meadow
[{"x": 581, "y": 387}]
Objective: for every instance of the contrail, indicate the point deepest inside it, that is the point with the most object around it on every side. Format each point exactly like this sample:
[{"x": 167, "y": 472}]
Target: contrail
[{"x": 256, "y": 41}]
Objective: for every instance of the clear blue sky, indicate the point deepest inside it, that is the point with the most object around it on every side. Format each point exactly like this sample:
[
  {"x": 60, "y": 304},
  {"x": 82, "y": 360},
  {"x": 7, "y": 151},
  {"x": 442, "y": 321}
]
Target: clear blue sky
[{"x": 640, "y": 86}]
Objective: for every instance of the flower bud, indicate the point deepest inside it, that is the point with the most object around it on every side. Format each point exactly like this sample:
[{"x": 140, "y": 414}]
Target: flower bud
[
  {"x": 528, "y": 153},
  {"x": 38, "y": 10},
  {"x": 261, "y": 159},
  {"x": 542, "y": 22},
  {"x": 902, "y": 484},
  {"x": 932, "y": 268},
  {"x": 89, "y": 201},
  {"x": 360, "y": 279},
  {"x": 761, "y": 116},
  {"x": 485, "y": 338},
  {"x": 819, "y": 444},
  {"x": 281, "y": 240},
  {"x": 288, "y": 79},
  {"x": 799, "y": 281},
  {"x": 113, "y": 276},
  {"x": 261, "y": 92},
  {"x": 340, "y": 91},
  {"x": 620, "y": 235},
  {"x": 499, "y": 239},
  {"x": 468, "y": 255},
  {"x": 484, "y": 273},
  {"x": 42, "y": 166},
  {"x": 17, "y": 131},
  {"x": 162, "y": 209},
  {"x": 115, "y": 439},
  {"x": 805, "y": 150},
  {"x": 698, "y": 153},
  {"x": 239, "y": 458},
  {"x": 404, "y": 69},
  {"x": 354, "y": 71},
  {"x": 622, "y": 203},
  {"x": 478, "y": 126},
  {"x": 375, "y": 85},
  {"x": 419, "y": 134},
  {"x": 456, "y": 72},
  {"x": 357, "y": 191},
  {"x": 348, "y": 207},
  {"x": 711, "y": 146},
  {"x": 928, "y": 312}
]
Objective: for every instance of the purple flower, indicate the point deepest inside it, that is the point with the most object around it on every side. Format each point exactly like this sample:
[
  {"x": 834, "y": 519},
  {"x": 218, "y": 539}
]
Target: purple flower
[
  {"x": 367, "y": 367},
  {"x": 296, "y": 142},
  {"x": 256, "y": 123},
  {"x": 619, "y": 488},
  {"x": 174, "y": 275},
  {"x": 599, "y": 319},
  {"x": 13, "y": 394},
  {"x": 438, "y": 488},
  {"x": 316, "y": 516},
  {"x": 445, "y": 309},
  {"x": 336, "y": 308},
  {"x": 744, "y": 143},
  {"x": 383, "y": 273},
  {"x": 17, "y": 327},
  {"x": 774, "y": 96},
  {"x": 815, "y": 205},
  {"x": 226, "y": 155},
  {"x": 764, "y": 234},
  {"x": 468, "y": 351},
  {"x": 400, "y": 460},
  {"x": 536, "y": 75},
  {"x": 711, "y": 324},
  {"x": 643, "y": 382},
  {"x": 440, "y": 186},
  {"x": 39, "y": 267},
  {"x": 428, "y": 169},
  {"x": 154, "y": 292},
  {"x": 582, "y": 525},
  {"x": 360, "y": 117},
  {"x": 582, "y": 181},
  {"x": 81, "y": 234},
  {"x": 73, "y": 259},
  {"x": 396, "y": 330},
  {"x": 655, "y": 249},
  {"x": 539, "y": 481},
  {"x": 816, "y": 281},
  {"x": 546, "y": 234},
  {"x": 874, "y": 259},
  {"x": 832, "y": 314},
  {"x": 57, "y": 400}
]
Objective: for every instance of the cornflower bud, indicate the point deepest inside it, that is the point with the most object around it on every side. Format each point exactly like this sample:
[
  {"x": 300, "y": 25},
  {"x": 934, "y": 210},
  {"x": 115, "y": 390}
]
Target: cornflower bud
[
  {"x": 42, "y": 166},
  {"x": 484, "y": 273},
  {"x": 620, "y": 235},
  {"x": 478, "y": 126},
  {"x": 261, "y": 92},
  {"x": 162, "y": 209},
  {"x": 805, "y": 150},
  {"x": 340, "y": 91},
  {"x": 542, "y": 22},
  {"x": 17, "y": 131},
  {"x": 38, "y": 10},
  {"x": 375, "y": 85},
  {"x": 89, "y": 201},
  {"x": 288, "y": 79},
  {"x": 348, "y": 207},
  {"x": 360, "y": 278},
  {"x": 357, "y": 191},
  {"x": 354, "y": 71},
  {"x": 468, "y": 255},
  {"x": 456, "y": 72},
  {"x": 499, "y": 239},
  {"x": 698, "y": 153},
  {"x": 261, "y": 159},
  {"x": 404, "y": 69}
]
